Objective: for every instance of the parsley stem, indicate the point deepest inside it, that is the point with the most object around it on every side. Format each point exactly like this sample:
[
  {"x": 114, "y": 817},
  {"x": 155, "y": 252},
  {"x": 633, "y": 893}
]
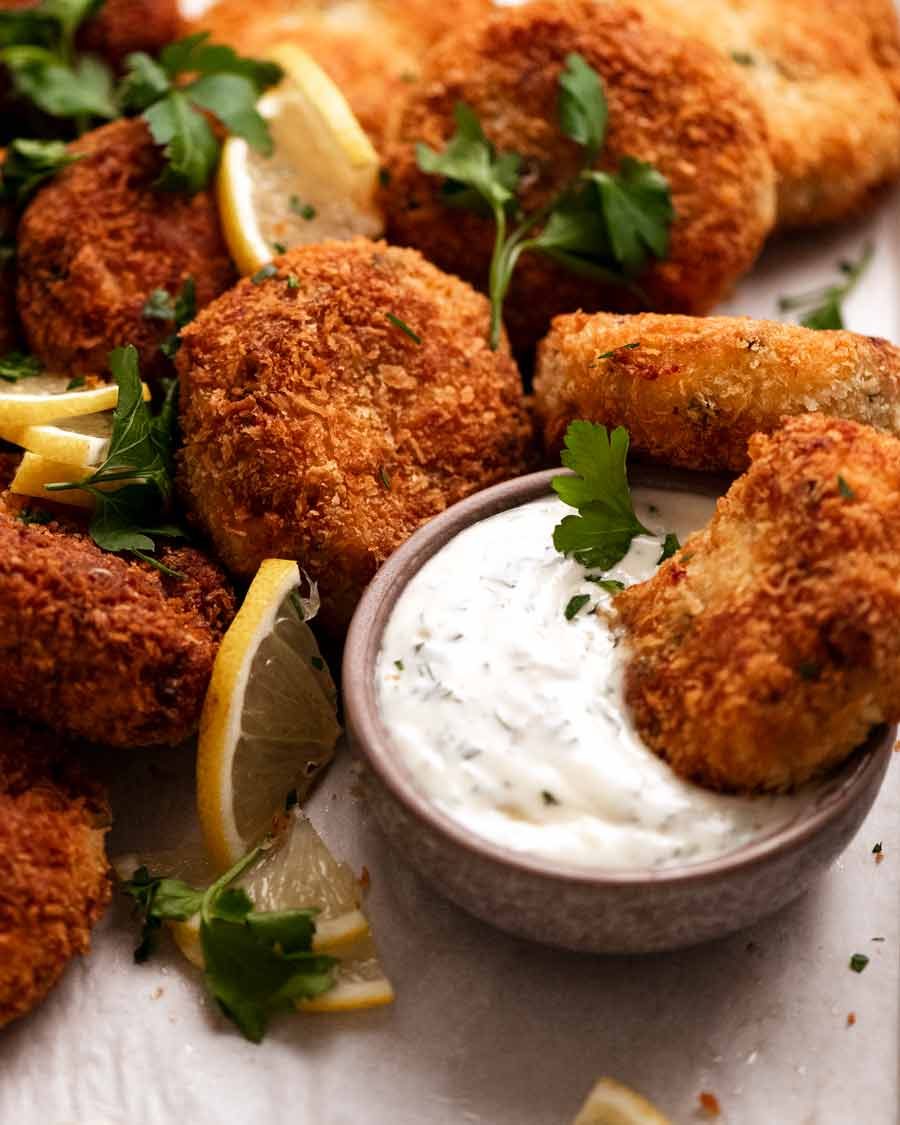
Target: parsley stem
[
  {"x": 497, "y": 288},
  {"x": 213, "y": 891}
]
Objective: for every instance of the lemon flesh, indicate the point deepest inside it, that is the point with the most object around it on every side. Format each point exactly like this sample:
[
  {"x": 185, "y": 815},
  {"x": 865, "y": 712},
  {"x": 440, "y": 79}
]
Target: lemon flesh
[
  {"x": 612, "y": 1103},
  {"x": 268, "y": 725},
  {"x": 321, "y": 181},
  {"x": 44, "y": 398},
  {"x": 81, "y": 441},
  {"x": 35, "y": 473}
]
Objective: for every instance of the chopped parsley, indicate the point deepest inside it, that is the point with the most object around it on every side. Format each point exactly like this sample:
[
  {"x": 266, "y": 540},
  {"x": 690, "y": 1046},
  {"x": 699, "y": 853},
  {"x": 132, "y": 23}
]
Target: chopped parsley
[
  {"x": 384, "y": 477},
  {"x": 845, "y": 490},
  {"x": 404, "y": 327},
  {"x": 263, "y": 274},
  {"x": 858, "y": 962},
  {"x": 256, "y": 962},
  {"x": 181, "y": 310},
  {"x": 604, "y": 225},
  {"x": 548, "y": 797},
  {"x": 398, "y": 664},
  {"x": 292, "y": 282},
  {"x": 615, "y": 351},
  {"x": 17, "y": 365},
  {"x": 29, "y": 164},
  {"x": 878, "y": 849},
  {"x": 576, "y": 605},
  {"x": 33, "y": 515},
  {"x": 610, "y": 585},
  {"x": 669, "y": 548},
  {"x": 823, "y": 308},
  {"x": 279, "y": 247},
  {"x": 743, "y": 58},
  {"x": 600, "y": 535},
  {"x": 192, "y": 78},
  {"x": 304, "y": 210},
  {"x": 140, "y": 460},
  {"x": 76, "y": 383}
]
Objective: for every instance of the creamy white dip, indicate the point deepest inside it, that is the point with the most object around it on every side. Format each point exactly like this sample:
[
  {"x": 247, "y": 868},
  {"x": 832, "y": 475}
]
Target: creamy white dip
[{"x": 510, "y": 718}]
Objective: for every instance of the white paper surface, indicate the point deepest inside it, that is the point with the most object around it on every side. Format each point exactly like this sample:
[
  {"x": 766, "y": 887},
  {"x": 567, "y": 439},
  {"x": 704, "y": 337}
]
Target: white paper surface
[{"x": 488, "y": 1029}]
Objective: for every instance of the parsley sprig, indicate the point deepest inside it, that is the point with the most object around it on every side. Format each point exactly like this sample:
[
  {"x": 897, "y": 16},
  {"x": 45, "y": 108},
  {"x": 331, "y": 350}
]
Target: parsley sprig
[
  {"x": 179, "y": 311},
  {"x": 18, "y": 365},
  {"x": 191, "y": 78},
  {"x": 256, "y": 962},
  {"x": 28, "y": 164},
  {"x": 823, "y": 308},
  {"x": 140, "y": 461},
  {"x": 601, "y": 225}
]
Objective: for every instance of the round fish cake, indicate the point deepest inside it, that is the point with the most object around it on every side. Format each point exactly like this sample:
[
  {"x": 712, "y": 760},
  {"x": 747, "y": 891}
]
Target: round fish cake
[
  {"x": 672, "y": 102},
  {"x": 827, "y": 75},
  {"x": 333, "y": 407},
  {"x": 766, "y": 650},
  {"x": 96, "y": 241},
  {"x": 692, "y": 390}
]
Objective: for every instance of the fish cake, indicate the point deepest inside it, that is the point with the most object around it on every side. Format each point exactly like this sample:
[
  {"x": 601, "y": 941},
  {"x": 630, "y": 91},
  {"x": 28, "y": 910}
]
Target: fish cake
[
  {"x": 693, "y": 390},
  {"x": 766, "y": 650},
  {"x": 672, "y": 102}
]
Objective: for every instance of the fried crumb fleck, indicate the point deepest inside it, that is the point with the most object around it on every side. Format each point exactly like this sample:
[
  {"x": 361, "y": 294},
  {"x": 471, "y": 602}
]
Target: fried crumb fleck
[
  {"x": 709, "y": 1103},
  {"x": 851, "y": 1019}
]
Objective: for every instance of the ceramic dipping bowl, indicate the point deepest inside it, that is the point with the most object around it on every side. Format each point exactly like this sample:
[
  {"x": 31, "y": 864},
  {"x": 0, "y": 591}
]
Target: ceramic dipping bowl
[{"x": 597, "y": 909}]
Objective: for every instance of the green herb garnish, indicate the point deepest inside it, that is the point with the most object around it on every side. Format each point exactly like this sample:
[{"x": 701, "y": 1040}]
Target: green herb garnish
[
  {"x": 600, "y": 535},
  {"x": 602, "y": 225},
  {"x": 33, "y": 516},
  {"x": 404, "y": 327},
  {"x": 384, "y": 477},
  {"x": 304, "y": 210},
  {"x": 844, "y": 489},
  {"x": 610, "y": 585},
  {"x": 877, "y": 850},
  {"x": 858, "y": 962},
  {"x": 823, "y": 308},
  {"x": 140, "y": 460},
  {"x": 17, "y": 365},
  {"x": 28, "y": 164},
  {"x": 181, "y": 310},
  {"x": 76, "y": 383},
  {"x": 548, "y": 798},
  {"x": 292, "y": 282},
  {"x": 264, "y": 273},
  {"x": 398, "y": 664},
  {"x": 743, "y": 58},
  {"x": 191, "y": 78},
  {"x": 669, "y": 548},
  {"x": 576, "y": 605},
  {"x": 279, "y": 247},
  {"x": 615, "y": 351},
  {"x": 256, "y": 963}
]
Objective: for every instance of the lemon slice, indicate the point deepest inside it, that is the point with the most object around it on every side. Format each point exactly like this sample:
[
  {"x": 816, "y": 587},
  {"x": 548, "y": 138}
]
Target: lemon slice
[
  {"x": 321, "y": 181},
  {"x": 611, "y": 1103},
  {"x": 80, "y": 441},
  {"x": 35, "y": 473},
  {"x": 44, "y": 398},
  {"x": 360, "y": 982},
  {"x": 268, "y": 724}
]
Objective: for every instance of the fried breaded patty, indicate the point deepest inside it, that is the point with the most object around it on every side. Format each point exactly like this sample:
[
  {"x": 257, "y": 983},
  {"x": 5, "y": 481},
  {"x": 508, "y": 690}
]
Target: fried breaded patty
[
  {"x": 318, "y": 429},
  {"x": 97, "y": 646},
  {"x": 672, "y": 102},
  {"x": 54, "y": 882},
  {"x": 98, "y": 239},
  {"x": 766, "y": 650},
  {"x": 371, "y": 48},
  {"x": 695, "y": 389},
  {"x": 826, "y": 74}
]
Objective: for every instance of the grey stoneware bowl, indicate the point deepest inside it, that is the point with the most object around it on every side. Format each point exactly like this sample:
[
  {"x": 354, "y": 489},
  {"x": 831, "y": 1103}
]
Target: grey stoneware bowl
[{"x": 595, "y": 910}]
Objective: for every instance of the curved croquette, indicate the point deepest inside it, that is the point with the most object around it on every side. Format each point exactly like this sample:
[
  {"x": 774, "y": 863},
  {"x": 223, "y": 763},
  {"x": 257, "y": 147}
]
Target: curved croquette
[
  {"x": 672, "y": 102},
  {"x": 694, "y": 390},
  {"x": 97, "y": 646},
  {"x": 371, "y": 49},
  {"x": 318, "y": 427},
  {"x": 826, "y": 75},
  {"x": 54, "y": 881},
  {"x": 98, "y": 239},
  {"x": 767, "y": 649}
]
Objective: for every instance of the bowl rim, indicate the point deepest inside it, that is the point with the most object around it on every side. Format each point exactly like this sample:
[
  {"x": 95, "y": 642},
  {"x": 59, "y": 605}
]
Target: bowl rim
[{"x": 372, "y": 739}]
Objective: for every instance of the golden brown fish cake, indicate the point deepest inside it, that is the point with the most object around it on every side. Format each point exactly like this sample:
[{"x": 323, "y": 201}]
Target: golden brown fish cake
[
  {"x": 695, "y": 389},
  {"x": 54, "y": 878},
  {"x": 672, "y": 102},
  {"x": 827, "y": 74},
  {"x": 98, "y": 238},
  {"x": 767, "y": 649},
  {"x": 372, "y": 49},
  {"x": 317, "y": 429}
]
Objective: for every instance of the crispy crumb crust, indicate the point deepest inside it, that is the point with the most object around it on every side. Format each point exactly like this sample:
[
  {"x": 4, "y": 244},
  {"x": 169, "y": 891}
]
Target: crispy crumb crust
[
  {"x": 98, "y": 239},
  {"x": 827, "y": 76},
  {"x": 696, "y": 389},
  {"x": 765, "y": 651},
  {"x": 315, "y": 429},
  {"x": 97, "y": 646},
  {"x": 672, "y": 102},
  {"x": 54, "y": 881}
]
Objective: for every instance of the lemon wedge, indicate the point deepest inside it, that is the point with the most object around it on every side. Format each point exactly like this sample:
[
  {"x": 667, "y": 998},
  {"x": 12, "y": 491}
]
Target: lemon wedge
[
  {"x": 44, "y": 398},
  {"x": 612, "y": 1103},
  {"x": 82, "y": 441},
  {"x": 321, "y": 181},
  {"x": 268, "y": 724},
  {"x": 35, "y": 473},
  {"x": 360, "y": 982}
]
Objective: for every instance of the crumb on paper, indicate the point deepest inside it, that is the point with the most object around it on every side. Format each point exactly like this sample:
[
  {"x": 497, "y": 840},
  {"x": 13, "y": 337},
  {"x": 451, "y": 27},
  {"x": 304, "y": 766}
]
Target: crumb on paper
[
  {"x": 365, "y": 878},
  {"x": 709, "y": 1103},
  {"x": 851, "y": 1019},
  {"x": 156, "y": 993}
]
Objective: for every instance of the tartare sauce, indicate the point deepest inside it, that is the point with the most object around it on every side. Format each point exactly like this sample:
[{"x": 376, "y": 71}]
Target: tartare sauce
[{"x": 511, "y": 718}]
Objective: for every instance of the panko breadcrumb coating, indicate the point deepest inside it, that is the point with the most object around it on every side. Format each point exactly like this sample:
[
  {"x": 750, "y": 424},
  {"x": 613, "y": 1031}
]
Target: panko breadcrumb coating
[
  {"x": 768, "y": 648},
  {"x": 694, "y": 390},
  {"x": 54, "y": 881},
  {"x": 98, "y": 239},
  {"x": 372, "y": 49},
  {"x": 101, "y": 647},
  {"x": 672, "y": 102},
  {"x": 318, "y": 429},
  {"x": 827, "y": 76}
]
